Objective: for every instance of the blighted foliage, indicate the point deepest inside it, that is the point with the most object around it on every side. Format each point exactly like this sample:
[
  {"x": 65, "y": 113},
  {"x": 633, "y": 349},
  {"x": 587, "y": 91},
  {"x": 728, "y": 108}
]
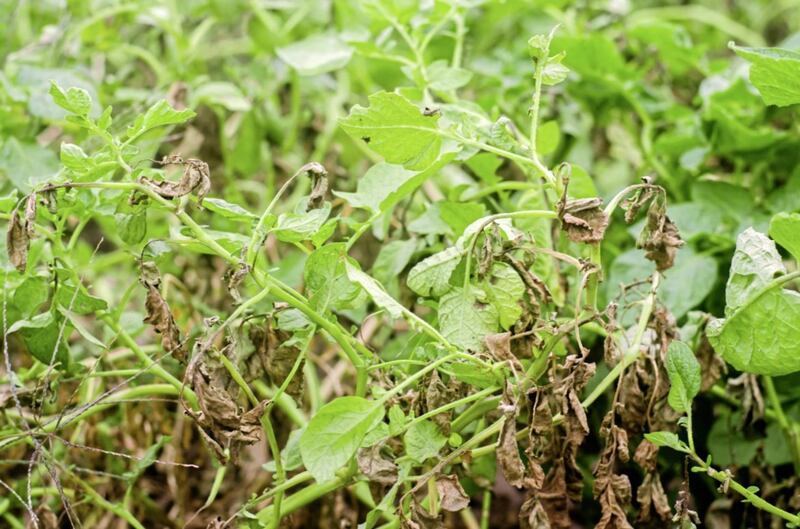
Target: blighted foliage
[{"x": 384, "y": 264}]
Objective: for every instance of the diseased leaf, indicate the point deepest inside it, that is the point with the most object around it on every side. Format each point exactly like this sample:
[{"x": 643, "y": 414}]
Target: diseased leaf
[
  {"x": 396, "y": 129},
  {"x": 159, "y": 314},
  {"x": 465, "y": 318},
  {"x": 376, "y": 468},
  {"x": 423, "y": 440},
  {"x": 195, "y": 178},
  {"x": 684, "y": 376},
  {"x": 451, "y": 494},
  {"x": 583, "y": 220},
  {"x": 335, "y": 433},
  {"x": 755, "y": 264},
  {"x": 431, "y": 276}
]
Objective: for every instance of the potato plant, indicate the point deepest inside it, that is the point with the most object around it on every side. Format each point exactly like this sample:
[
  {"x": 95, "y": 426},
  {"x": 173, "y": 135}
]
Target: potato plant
[{"x": 390, "y": 264}]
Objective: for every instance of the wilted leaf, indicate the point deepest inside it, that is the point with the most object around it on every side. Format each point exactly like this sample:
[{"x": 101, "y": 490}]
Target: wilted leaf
[
  {"x": 375, "y": 467},
  {"x": 583, "y": 220},
  {"x": 659, "y": 237},
  {"x": 195, "y": 178},
  {"x": 160, "y": 316},
  {"x": 451, "y": 495}
]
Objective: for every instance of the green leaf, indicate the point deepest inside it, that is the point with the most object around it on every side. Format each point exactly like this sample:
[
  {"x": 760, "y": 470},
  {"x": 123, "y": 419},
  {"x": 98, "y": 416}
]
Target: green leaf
[
  {"x": 381, "y": 298},
  {"x": 393, "y": 259},
  {"x": 423, "y": 440},
  {"x": 465, "y": 318},
  {"x": 75, "y": 99},
  {"x": 221, "y": 93},
  {"x": 431, "y": 276},
  {"x": 326, "y": 279},
  {"x": 132, "y": 227},
  {"x": 80, "y": 302},
  {"x": 225, "y": 209},
  {"x": 442, "y": 76},
  {"x": 760, "y": 336},
  {"x": 775, "y": 72},
  {"x": 459, "y": 215},
  {"x": 31, "y": 294},
  {"x": 44, "y": 338},
  {"x": 684, "y": 376},
  {"x": 316, "y": 54},
  {"x": 301, "y": 225},
  {"x": 160, "y": 114},
  {"x": 785, "y": 230},
  {"x": 396, "y": 129},
  {"x": 335, "y": 433},
  {"x": 668, "y": 440},
  {"x": 27, "y": 164}
]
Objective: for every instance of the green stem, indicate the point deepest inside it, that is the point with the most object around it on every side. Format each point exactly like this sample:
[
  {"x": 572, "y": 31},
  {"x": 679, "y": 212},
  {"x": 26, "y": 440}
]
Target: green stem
[{"x": 788, "y": 429}]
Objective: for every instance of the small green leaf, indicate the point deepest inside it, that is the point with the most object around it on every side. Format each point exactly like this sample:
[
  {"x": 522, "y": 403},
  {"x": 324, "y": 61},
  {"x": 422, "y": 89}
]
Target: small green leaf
[
  {"x": 423, "y": 440},
  {"x": 396, "y": 129},
  {"x": 326, "y": 279},
  {"x": 301, "y": 225},
  {"x": 316, "y": 54},
  {"x": 668, "y": 440},
  {"x": 44, "y": 338},
  {"x": 785, "y": 230},
  {"x": 225, "y": 209},
  {"x": 442, "y": 76},
  {"x": 335, "y": 433},
  {"x": 75, "y": 100},
  {"x": 381, "y": 298},
  {"x": 160, "y": 114},
  {"x": 684, "y": 376},
  {"x": 79, "y": 303}
]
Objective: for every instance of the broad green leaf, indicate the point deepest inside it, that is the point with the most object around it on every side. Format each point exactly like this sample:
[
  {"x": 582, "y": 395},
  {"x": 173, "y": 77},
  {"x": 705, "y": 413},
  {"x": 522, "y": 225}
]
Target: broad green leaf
[
  {"x": 465, "y": 317},
  {"x": 685, "y": 285},
  {"x": 504, "y": 289},
  {"x": 785, "y": 230},
  {"x": 684, "y": 376},
  {"x": 459, "y": 215},
  {"x": 326, "y": 280},
  {"x": 44, "y": 338},
  {"x": 755, "y": 264},
  {"x": 431, "y": 276},
  {"x": 160, "y": 114},
  {"x": 668, "y": 440},
  {"x": 27, "y": 164},
  {"x": 381, "y": 298},
  {"x": 132, "y": 227},
  {"x": 316, "y": 54},
  {"x": 334, "y": 434},
  {"x": 393, "y": 259},
  {"x": 423, "y": 440},
  {"x": 384, "y": 185},
  {"x": 474, "y": 374},
  {"x": 775, "y": 72},
  {"x": 396, "y": 129},
  {"x": 727, "y": 443},
  {"x": 228, "y": 210},
  {"x": 31, "y": 294}
]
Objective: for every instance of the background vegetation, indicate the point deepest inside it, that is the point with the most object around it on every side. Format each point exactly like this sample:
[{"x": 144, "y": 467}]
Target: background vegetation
[{"x": 391, "y": 263}]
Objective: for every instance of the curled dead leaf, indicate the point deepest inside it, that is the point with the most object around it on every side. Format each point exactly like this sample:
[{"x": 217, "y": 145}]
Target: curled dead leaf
[
  {"x": 659, "y": 237},
  {"x": 195, "y": 178},
  {"x": 159, "y": 314},
  {"x": 508, "y": 456},
  {"x": 451, "y": 495},
  {"x": 583, "y": 219},
  {"x": 276, "y": 352},
  {"x": 375, "y": 467}
]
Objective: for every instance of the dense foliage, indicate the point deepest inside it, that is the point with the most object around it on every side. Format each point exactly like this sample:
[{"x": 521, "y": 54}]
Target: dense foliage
[{"x": 389, "y": 263}]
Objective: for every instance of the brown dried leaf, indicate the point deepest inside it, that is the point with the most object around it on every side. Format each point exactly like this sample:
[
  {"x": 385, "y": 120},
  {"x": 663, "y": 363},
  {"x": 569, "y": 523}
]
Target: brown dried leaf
[
  {"x": 17, "y": 242},
  {"x": 195, "y": 178},
  {"x": 583, "y": 220},
  {"x": 437, "y": 394},
  {"x": 499, "y": 346},
  {"x": 275, "y": 353},
  {"x": 319, "y": 185},
  {"x": 160, "y": 317},
  {"x": 652, "y": 499},
  {"x": 375, "y": 467},
  {"x": 451, "y": 495},
  {"x": 507, "y": 450},
  {"x": 659, "y": 238},
  {"x": 532, "y": 514}
]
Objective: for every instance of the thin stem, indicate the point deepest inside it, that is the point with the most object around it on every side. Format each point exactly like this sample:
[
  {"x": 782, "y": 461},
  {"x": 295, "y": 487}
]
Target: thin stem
[{"x": 788, "y": 429}]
